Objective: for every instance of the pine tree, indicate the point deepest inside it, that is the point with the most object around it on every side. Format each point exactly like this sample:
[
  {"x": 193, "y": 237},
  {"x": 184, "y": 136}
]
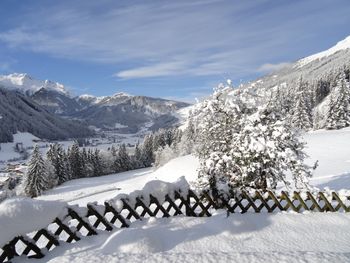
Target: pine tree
[
  {"x": 137, "y": 157},
  {"x": 87, "y": 164},
  {"x": 338, "y": 114},
  {"x": 124, "y": 159},
  {"x": 116, "y": 164},
  {"x": 55, "y": 155},
  {"x": 97, "y": 163},
  {"x": 75, "y": 161},
  {"x": 36, "y": 179},
  {"x": 301, "y": 117},
  {"x": 147, "y": 153}
]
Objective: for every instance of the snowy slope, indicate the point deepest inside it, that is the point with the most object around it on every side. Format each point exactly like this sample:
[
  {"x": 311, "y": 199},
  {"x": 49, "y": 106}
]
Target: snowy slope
[
  {"x": 27, "y": 84},
  {"x": 330, "y": 148},
  {"x": 82, "y": 191},
  {"x": 341, "y": 45}
]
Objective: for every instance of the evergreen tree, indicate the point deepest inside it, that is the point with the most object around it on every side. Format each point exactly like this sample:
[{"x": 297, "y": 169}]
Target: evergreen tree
[
  {"x": 137, "y": 159},
  {"x": 87, "y": 164},
  {"x": 301, "y": 117},
  {"x": 36, "y": 179},
  {"x": 116, "y": 163},
  {"x": 75, "y": 161},
  {"x": 124, "y": 159},
  {"x": 97, "y": 163},
  {"x": 147, "y": 153},
  {"x": 338, "y": 114},
  {"x": 242, "y": 146},
  {"x": 55, "y": 155}
]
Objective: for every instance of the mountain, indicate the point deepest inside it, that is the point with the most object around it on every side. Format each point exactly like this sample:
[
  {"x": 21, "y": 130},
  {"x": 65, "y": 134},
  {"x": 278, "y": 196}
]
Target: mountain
[
  {"x": 313, "y": 81},
  {"x": 28, "y": 85},
  {"x": 56, "y": 102},
  {"x": 121, "y": 112},
  {"x": 128, "y": 114},
  {"x": 19, "y": 113},
  {"x": 310, "y": 68}
]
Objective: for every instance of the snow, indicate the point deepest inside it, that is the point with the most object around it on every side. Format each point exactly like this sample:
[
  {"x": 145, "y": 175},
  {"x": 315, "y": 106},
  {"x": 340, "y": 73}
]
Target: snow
[
  {"x": 342, "y": 45},
  {"x": 251, "y": 237},
  {"x": 99, "y": 189},
  {"x": 25, "y": 83},
  {"x": 330, "y": 148},
  {"x": 7, "y": 151},
  {"x": 281, "y": 237},
  {"x": 19, "y": 216},
  {"x": 119, "y": 125},
  {"x": 158, "y": 189}
]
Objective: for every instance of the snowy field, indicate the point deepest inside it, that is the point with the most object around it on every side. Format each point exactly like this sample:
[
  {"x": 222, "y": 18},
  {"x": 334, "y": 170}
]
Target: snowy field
[{"x": 277, "y": 237}]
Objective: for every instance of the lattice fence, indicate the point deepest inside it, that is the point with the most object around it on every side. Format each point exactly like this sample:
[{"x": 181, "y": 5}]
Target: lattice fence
[{"x": 87, "y": 221}]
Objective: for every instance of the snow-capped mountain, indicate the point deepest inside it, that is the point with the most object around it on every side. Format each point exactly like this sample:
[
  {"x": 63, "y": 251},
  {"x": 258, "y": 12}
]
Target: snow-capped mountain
[
  {"x": 29, "y": 85},
  {"x": 340, "y": 46},
  {"x": 316, "y": 78},
  {"x": 121, "y": 111},
  {"x": 310, "y": 68},
  {"x": 127, "y": 113},
  {"x": 20, "y": 113}
]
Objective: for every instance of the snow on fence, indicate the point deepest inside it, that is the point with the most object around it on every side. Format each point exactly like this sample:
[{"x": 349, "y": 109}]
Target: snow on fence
[{"x": 120, "y": 212}]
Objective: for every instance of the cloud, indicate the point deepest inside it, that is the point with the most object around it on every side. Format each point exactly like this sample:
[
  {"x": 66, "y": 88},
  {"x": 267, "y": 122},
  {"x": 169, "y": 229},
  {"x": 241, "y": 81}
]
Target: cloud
[
  {"x": 268, "y": 67},
  {"x": 146, "y": 39},
  {"x": 157, "y": 70}
]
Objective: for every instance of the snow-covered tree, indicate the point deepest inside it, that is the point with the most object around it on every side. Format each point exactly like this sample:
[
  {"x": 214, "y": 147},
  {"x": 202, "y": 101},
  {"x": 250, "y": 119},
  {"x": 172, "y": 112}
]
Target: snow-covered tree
[
  {"x": 75, "y": 161},
  {"x": 55, "y": 155},
  {"x": 137, "y": 158},
  {"x": 338, "y": 114},
  {"x": 36, "y": 179},
  {"x": 147, "y": 153},
  {"x": 97, "y": 163},
  {"x": 124, "y": 159},
  {"x": 243, "y": 146},
  {"x": 301, "y": 117},
  {"x": 165, "y": 154}
]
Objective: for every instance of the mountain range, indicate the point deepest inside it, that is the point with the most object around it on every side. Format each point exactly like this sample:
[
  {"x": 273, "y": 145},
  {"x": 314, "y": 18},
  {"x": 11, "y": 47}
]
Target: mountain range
[
  {"x": 119, "y": 112},
  {"x": 126, "y": 113},
  {"x": 311, "y": 68}
]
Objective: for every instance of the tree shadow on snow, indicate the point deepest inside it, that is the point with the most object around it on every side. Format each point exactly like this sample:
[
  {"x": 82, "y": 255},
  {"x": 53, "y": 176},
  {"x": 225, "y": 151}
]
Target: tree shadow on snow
[
  {"x": 337, "y": 182},
  {"x": 160, "y": 235}
]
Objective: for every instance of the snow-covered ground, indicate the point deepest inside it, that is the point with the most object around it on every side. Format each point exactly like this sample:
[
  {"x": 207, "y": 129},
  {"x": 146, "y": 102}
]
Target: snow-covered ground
[
  {"x": 277, "y": 237},
  {"x": 330, "y": 148},
  {"x": 281, "y": 237}
]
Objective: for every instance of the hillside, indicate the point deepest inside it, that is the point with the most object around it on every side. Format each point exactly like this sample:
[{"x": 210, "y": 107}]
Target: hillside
[
  {"x": 19, "y": 113},
  {"x": 308, "y": 92},
  {"x": 244, "y": 238},
  {"x": 119, "y": 112}
]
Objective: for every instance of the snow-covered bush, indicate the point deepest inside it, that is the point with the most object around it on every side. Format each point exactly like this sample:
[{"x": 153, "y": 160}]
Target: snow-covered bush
[
  {"x": 164, "y": 155},
  {"x": 241, "y": 145}
]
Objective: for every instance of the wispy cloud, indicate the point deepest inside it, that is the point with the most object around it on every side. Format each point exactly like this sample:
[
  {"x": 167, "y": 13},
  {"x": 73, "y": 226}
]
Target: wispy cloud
[
  {"x": 268, "y": 67},
  {"x": 145, "y": 39},
  {"x": 154, "y": 70}
]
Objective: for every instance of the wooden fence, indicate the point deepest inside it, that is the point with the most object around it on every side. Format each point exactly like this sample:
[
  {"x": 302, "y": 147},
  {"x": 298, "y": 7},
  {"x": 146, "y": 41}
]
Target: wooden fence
[{"x": 90, "y": 220}]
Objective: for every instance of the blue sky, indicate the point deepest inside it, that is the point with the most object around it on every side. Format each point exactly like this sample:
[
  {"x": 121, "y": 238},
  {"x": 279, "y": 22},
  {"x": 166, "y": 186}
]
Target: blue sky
[{"x": 170, "y": 49}]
